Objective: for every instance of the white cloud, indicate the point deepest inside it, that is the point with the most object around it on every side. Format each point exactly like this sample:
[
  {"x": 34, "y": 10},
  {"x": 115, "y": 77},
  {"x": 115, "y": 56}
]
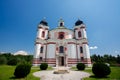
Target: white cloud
[{"x": 93, "y": 47}]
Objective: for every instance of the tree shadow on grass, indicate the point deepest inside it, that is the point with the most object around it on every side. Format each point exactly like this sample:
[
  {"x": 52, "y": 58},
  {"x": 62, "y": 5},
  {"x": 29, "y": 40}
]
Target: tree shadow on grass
[
  {"x": 93, "y": 76},
  {"x": 14, "y": 78}
]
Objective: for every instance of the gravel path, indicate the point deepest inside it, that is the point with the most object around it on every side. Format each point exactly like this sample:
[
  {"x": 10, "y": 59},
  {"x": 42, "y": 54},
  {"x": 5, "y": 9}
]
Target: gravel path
[{"x": 72, "y": 75}]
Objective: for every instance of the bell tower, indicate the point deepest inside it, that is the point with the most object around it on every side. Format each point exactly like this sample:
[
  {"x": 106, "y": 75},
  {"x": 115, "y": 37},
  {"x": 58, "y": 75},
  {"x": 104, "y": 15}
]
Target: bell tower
[
  {"x": 40, "y": 46},
  {"x": 42, "y": 32},
  {"x": 83, "y": 48},
  {"x": 80, "y": 30}
]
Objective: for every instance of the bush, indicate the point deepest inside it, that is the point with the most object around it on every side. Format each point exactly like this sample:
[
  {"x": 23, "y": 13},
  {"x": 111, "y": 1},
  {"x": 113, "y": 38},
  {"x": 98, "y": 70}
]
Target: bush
[
  {"x": 3, "y": 60},
  {"x": 43, "y": 66},
  {"x": 80, "y": 66},
  {"x": 22, "y": 70},
  {"x": 101, "y": 69},
  {"x": 12, "y": 61}
]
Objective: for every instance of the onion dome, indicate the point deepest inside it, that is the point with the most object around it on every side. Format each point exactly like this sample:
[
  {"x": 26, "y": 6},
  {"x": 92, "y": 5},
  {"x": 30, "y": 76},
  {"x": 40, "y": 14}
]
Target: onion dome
[
  {"x": 78, "y": 22},
  {"x": 43, "y": 22}
]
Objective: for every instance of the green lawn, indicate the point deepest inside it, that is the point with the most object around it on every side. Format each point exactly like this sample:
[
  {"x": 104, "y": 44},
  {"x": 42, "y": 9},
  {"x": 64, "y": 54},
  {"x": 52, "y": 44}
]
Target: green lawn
[
  {"x": 115, "y": 74},
  {"x": 6, "y": 73}
]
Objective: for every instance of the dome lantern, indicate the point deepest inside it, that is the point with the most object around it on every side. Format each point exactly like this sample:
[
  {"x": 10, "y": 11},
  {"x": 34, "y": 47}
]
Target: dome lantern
[{"x": 61, "y": 23}]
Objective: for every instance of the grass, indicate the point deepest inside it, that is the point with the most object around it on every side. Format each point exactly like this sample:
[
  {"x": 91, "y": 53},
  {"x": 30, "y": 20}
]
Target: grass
[
  {"x": 115, "y": 74},
  {"x": 6, "y": 73}
]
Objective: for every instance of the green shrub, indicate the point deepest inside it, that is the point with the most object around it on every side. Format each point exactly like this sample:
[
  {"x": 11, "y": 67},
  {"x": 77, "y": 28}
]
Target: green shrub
[
  {"x": 101, "y": 69},
  {"x": 3, "y": 60},
  {"x": 22, "y": 70},
  {"x": 12, "y": 61},
  {"x": 80, "y": 66},
  {"x": 43, "y": 66}
]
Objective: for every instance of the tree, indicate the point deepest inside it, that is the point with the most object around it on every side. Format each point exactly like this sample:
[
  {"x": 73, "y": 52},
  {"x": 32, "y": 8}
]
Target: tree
[
  {"x": 80, "y": 66},
  {"x": 118, "y": 59},
  {"x": 12, "y": 61},
  {"x": 22, "y": 70},
  {"x": 3, "y": 60},
  {"x": 101, "y": 69},
  {"x": 43, "y": 66}
]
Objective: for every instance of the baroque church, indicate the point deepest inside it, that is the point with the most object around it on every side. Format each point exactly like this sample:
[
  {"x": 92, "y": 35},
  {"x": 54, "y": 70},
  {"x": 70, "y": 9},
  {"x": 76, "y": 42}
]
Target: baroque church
[{"x": 61, "y": 46}]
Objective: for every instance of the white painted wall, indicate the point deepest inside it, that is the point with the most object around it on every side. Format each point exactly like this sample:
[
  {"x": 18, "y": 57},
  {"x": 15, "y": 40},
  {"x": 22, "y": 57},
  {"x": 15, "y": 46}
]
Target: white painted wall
[
  {"x": 46, "y": 34},
  {"x": 44, "y": 51},
  {"x": 37, "y": 51},
  {"x": 69, "y": 35},
  {"x": 78, "y": 49},
  {"x": 83, "y": 33},
  {"x": 39, "y": 33},
  {"x": 76, "y": 34},
  {"x": 54, "y": 33},
  {"x": 71, "y": 51},
  {"x": 86, "y": 51},
  {"x": 51, "y": 50}
]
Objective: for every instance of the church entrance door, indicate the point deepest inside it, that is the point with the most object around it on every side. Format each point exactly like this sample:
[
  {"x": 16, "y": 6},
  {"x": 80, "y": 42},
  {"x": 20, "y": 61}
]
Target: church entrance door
[{"x": 61, "y": 61}]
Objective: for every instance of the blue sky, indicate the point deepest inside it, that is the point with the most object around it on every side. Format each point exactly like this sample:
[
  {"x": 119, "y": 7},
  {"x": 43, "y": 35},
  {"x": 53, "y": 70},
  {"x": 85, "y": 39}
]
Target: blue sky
[{"x": 19, "y": 20}]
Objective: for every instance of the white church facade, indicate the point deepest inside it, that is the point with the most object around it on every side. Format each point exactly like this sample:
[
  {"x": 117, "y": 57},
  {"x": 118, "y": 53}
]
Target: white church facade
[{"x": 61, "y": 46}]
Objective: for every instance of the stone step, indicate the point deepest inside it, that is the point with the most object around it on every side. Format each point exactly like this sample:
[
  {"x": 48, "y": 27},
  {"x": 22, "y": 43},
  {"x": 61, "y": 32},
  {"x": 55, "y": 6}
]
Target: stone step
[{"x": 61, "y": 70}]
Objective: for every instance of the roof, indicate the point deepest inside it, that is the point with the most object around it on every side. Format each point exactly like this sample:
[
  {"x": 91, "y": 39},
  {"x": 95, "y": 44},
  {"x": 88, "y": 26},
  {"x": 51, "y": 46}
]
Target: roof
[
  {"x": 59, "y": 28},
  {"x": 43, "y": 22},
  {"x": 78, "y": 22}
]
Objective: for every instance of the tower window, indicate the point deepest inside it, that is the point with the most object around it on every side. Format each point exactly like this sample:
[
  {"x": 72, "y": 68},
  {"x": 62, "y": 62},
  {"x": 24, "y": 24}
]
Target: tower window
[
  {"x": 61, "y": 35},
  {"x": 61, "y": 24},
  {"x": 41, "y": 50},
  {"x": 61, "y": 50},
  {"x": 81, "y": 49},
  {"x": 43, "y": 33},
  {"x": 79, "y": 34}
]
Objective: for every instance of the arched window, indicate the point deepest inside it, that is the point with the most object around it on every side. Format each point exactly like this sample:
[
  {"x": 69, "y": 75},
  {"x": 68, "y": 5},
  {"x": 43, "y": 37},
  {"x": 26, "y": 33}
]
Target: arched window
[
  {"x": 43, "y": 33},
  {"x": 41, "y": 49},
  {"x": 79, "y": 33},
  {"x": 61, "y": 49},
  {"x": 81, "y": 49},
  {"x": 61, "y": 24},
  {"x": 61, "y": 35}
]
